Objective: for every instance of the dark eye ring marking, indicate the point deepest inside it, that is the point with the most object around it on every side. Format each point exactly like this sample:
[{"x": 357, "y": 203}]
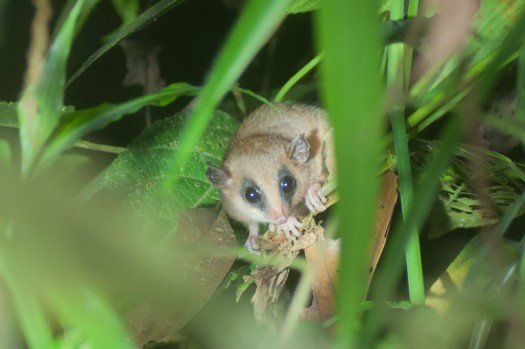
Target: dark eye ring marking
[
  {"x": 253, "y": 194},
  {"x": 287, "y": 184}
]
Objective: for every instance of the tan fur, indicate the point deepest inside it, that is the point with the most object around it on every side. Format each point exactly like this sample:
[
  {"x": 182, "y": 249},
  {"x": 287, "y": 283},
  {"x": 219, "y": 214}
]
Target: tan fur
[{"x": 258, "y": 150}]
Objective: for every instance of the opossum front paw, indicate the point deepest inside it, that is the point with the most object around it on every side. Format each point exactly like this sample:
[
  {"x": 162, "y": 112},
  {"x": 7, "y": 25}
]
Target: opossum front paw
[
  {"x": 315, "y": 199},
  {"x": 290, "y": 229},
  {"x": 252, "y": 245}
]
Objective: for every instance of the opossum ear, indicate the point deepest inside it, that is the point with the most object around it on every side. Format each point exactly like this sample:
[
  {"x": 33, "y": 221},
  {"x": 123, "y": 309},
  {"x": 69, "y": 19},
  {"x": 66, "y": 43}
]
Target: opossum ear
[
  {"x": 219, "y": 176},
  {"x": 299, "y": 149}
]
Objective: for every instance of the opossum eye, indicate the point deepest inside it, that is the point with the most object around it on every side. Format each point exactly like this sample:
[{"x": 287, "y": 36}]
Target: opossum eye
[
  {"x": 252, "y": 195},
  {"x": 288, "y": 184}
]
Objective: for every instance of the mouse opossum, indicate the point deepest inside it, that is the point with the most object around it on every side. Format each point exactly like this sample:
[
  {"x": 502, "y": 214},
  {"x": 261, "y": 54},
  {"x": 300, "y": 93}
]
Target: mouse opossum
[{"x": 276, "y": 163}]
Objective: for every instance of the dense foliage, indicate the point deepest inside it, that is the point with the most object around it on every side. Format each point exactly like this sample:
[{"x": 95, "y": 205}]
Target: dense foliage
[{"x": 108, "y": 233}]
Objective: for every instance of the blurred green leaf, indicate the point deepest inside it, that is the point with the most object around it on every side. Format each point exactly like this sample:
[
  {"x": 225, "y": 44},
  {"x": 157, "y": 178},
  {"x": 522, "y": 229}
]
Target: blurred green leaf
[
  {"x": 255, "y": 24},
  {"x": 5, "y": 154},
  {"x": 492, "y": 23},
  {"x": 207, "y": 234},
  {"x": 41, "y": 104},
  {"x": 95, "y": 321},
  {"x": 352, "y": 92},
  {"x": 76, "y": 124},
  {"x": 497, "y": 26},
  {"x": 145, "y": 18},
  {"x": 91, "y": 269}
]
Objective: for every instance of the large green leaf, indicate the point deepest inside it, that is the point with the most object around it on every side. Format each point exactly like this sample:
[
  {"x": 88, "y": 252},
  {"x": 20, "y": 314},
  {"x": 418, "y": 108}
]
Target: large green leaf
[{"x": 138, "y": 172}]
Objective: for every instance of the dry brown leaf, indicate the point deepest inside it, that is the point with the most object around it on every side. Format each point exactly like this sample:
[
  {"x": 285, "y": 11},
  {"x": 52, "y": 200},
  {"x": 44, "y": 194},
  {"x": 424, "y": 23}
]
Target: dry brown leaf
[
  {"x": 325, "y": 260},
  {"x": 272, "y": 274},
  {"x": 387, "y": 203}
]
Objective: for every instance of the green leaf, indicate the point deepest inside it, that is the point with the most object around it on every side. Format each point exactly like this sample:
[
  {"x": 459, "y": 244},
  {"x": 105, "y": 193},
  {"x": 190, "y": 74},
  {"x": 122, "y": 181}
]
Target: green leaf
[
  {"x": 255, "y": 25},
  {"x": 459, "y": 205},
  {"x": 498, "y": 27},
  {"x": 298, "y": 76},
  {"x": 492, "y": 23},
  {"x": 8, "y": 117},
  {"x": 41, "y": 104},
  {"x": 352, "y": 92},
  {"x": 147, "y": 17},
  {"x": 95, "y": 321},
  {"x": 139, "y": 170},
  {"x": 76, "y": 124}
]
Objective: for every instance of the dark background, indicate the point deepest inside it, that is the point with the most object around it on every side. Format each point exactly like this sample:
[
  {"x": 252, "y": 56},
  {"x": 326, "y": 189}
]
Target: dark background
[{"x": 189, "y": 37}]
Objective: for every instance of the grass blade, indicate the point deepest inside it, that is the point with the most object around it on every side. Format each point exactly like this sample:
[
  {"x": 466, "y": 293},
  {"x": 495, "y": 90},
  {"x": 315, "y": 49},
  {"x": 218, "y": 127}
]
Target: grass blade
[
  {"x": 353, "y": 95},
  {"x": 148, "y": 16},
  {"x": 77, "y": 124},
  {"x": 39, "y": 109},
  {"x": 425, "y": 195},
  {"x": 396, "y": 73},
  {"x": 255, "y": 25},
  {"x": 297, "y": 76}
]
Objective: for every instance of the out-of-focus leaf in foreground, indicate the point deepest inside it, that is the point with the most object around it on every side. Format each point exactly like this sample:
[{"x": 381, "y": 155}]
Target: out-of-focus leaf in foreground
[
  {"x": 198, "y": 230},
  {"x": 134, "y": 179},
  {"x": 40, "y": 107},
  {"x": 67, "y": 255}
]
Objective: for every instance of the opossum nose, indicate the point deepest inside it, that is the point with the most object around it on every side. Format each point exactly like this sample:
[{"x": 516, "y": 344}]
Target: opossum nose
[{"x": 281, "y": 219}]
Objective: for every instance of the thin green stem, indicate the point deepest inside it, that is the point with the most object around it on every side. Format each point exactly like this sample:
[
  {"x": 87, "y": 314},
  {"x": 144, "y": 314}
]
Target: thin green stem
[
  {"x": 104, "y": 148},
  {"x": 425, "y": 195},
  {"x": 297, "y": 76},
  {"x": 395, "y": 79}
]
